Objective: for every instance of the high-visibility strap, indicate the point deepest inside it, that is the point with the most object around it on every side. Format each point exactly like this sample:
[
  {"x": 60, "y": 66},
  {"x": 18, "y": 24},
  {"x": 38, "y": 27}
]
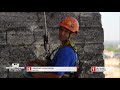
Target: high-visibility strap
[{"x": 70, "y": 42}]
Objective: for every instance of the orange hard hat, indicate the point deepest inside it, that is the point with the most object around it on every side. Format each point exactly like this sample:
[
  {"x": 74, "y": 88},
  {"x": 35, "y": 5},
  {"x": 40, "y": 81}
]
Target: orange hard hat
[{"x": 70, "y": 23}]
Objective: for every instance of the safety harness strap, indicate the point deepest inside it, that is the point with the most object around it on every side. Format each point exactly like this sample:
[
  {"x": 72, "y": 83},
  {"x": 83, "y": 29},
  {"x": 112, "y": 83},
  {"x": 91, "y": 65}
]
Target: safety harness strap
[{"x": 70, "y": 43}]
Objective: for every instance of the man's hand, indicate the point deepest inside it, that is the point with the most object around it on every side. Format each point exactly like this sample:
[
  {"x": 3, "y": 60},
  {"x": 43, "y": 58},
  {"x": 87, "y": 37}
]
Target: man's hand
[
  {"x": 30, "y": 63},
  {"x": 37, "y": 63}
]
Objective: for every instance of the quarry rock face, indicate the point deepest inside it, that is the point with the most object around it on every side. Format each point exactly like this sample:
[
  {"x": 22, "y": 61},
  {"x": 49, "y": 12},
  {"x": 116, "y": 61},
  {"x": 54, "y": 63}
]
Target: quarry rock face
[{"x": 21, "y": 39}]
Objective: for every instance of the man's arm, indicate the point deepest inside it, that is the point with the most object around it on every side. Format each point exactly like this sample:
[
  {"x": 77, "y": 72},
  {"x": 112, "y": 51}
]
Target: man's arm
[
  {"x": 41, "y": 62},
  {"x": 38, "y": 62},
  {"x": 46, "y": 75}
]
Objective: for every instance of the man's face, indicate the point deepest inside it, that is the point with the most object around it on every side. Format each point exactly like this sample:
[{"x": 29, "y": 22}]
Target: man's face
[{"x": 63, "y": 34}]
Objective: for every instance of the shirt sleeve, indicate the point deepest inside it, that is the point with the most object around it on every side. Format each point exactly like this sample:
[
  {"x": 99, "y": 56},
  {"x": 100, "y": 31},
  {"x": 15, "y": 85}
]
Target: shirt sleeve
[{"x": 63, "y": 59}]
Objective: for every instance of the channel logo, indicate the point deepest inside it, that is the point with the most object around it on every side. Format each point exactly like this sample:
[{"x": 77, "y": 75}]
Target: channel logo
[
  {"x": 15, "y": 68},
  {"x": 28, "y": 68},
  {"x": 15, "y": 65},
  {"x": 97, "y": 69},
  {"x": 93, "y": 69}
]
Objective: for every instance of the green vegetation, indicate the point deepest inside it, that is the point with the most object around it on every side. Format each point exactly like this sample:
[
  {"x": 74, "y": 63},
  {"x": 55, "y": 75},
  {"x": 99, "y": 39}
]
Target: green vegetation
[{"x": 112, "y": 48}]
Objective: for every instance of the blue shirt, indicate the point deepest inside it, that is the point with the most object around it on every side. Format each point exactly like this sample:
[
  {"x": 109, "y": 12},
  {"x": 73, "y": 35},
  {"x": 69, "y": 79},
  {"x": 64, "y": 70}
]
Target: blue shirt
[{"x": 64, "y": 57}]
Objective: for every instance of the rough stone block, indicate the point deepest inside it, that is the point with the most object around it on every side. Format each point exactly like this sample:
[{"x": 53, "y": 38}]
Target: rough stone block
[
  {"x": 94, "y": 35},
  {"x": 93, "y": 21},
  {"x": 54, "y": 18},
  {"x": 2, "y": 38},
  {"x": 3, "y": 64},
  {"x": 3, "y": 71},
  {"x": 54, "y": 35},
  {"x": 94, "y": 48},
  {"x": 80, "y": 37},
  {"x": 89, "y": 14},
  {"x": 4, "y": 52},
  {"x": 19, "y": 37},
  {"x": 89, "y": 57},
  {"x": 17, "y": 19},
  {"x": 38, "y": 35},
  {"x": 80, "y": 49},
  {"x": 19, "y": 54}
]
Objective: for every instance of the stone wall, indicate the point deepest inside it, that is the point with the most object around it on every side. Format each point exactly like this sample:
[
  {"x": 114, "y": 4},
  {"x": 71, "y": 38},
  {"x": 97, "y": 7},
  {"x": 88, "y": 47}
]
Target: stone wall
[{"x": 21, "y": 39}]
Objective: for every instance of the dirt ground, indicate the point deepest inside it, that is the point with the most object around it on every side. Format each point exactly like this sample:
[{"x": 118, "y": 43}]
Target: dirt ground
[{"x": 113, "y": 63}]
